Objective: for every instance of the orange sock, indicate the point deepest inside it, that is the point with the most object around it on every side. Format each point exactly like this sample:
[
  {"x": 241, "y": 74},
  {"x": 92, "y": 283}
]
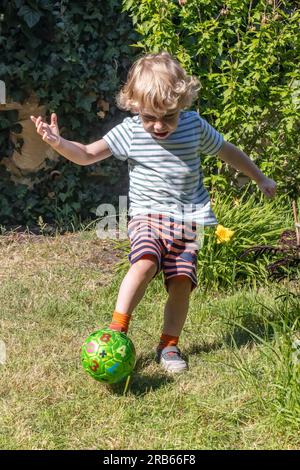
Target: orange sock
[
  {"x": 120, "y": 322},
  {"x": 167, "y": 340}
]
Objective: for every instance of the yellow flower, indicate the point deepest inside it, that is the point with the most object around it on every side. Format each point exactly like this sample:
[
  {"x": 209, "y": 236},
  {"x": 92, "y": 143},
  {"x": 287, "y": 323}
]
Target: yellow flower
[{"x": 223, "y": 234}]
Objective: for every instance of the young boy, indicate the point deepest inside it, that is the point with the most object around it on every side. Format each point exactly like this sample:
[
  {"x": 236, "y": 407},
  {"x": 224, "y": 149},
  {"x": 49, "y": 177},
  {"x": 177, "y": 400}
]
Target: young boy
[{"x": 168, "y": 201}]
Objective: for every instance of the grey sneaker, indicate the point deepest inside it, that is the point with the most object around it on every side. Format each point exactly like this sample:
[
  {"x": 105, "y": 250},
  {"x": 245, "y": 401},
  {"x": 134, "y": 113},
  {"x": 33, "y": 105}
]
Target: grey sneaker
[{"x": 171, "y": 360}]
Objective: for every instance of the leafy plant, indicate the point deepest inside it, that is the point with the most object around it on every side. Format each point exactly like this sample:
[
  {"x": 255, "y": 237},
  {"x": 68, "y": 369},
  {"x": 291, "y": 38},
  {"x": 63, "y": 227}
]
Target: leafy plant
[
  {"x": 64, "y": 195},
  {"x": 73, "y": 57},
  {"x": 246, "y": 54},
  {"x": 253, "y": 221}
]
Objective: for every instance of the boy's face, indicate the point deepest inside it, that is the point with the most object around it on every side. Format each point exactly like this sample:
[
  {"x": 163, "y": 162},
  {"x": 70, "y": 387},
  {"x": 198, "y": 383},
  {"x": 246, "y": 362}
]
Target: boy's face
[{"x": 160, "y": 126}]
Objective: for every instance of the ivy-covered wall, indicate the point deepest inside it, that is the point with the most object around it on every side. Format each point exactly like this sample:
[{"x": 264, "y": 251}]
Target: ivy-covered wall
[{"x": 71, "y": 57}]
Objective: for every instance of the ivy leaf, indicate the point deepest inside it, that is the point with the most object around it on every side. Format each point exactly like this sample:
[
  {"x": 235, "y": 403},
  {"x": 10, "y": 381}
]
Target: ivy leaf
[
  {"x": 18, "y": 3},
  {"x": 31, "y": 17},
  {"x": 63, "y": 196},
  {"x": 86, "y": 102}
]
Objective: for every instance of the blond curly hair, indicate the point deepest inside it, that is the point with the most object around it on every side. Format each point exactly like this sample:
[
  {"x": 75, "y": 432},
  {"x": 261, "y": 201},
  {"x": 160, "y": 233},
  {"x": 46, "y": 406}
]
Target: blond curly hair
[{"x": 157, "y": 82}]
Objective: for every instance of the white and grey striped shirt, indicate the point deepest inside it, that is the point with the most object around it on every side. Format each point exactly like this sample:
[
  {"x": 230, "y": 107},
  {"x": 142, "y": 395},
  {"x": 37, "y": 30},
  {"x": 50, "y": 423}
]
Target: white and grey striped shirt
[{"x": 165, "y": 176}]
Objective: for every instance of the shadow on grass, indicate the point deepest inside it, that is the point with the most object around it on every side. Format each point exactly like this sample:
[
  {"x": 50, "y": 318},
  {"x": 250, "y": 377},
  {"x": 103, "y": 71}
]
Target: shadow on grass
[
  {"x": 144, "y": 360},
  {"x": 141, "y": 384},
  {"x": 248, "y": 331},
  {"x": 196, "y": 348}
]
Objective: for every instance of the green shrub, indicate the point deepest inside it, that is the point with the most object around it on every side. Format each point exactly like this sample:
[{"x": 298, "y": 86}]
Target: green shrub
[
  {"x": 254, "y": 222},
  {"x": 69, "y": 54},
  {"x": 65, "y": 196},
  {"x": 246, "y": 55},
  {"x": 73, "y": 56}
]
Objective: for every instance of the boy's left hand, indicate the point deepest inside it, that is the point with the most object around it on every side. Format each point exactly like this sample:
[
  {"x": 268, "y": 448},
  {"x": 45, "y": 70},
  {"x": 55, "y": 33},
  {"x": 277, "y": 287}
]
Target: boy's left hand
[{"x": 267, "y": 186}]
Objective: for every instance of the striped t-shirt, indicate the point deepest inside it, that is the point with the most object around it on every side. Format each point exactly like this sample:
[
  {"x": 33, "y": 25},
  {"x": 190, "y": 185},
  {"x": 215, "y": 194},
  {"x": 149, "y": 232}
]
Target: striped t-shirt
[{"x": 165, "y": 176}]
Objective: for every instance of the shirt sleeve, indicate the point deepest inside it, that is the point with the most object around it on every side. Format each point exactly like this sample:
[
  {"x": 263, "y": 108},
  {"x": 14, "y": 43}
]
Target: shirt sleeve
[
  {"x": 211, "y": 140},
  {"x": 119, "y": 139}
]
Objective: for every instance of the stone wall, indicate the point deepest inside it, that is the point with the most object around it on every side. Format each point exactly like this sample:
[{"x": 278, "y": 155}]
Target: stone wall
[{"x": 30, "y": 151}]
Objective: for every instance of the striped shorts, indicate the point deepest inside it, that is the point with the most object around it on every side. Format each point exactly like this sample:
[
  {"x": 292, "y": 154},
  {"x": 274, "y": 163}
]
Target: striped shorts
[{"x": 174, "y": 245}]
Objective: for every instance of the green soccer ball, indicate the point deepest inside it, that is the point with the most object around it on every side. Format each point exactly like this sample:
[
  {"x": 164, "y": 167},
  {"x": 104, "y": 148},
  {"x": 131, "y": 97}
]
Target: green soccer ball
[{"x": 108, "y": 356}]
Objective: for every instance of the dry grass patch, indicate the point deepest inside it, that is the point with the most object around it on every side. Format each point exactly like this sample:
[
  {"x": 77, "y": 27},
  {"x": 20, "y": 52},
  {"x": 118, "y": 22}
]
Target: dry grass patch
[
  {"x": 54, "y": 292},
  {"x": 21, "y": 252}
]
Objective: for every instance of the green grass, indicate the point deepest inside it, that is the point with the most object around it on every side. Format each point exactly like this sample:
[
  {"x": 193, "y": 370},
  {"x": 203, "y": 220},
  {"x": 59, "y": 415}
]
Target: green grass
[{"x": 55, "y": 291}]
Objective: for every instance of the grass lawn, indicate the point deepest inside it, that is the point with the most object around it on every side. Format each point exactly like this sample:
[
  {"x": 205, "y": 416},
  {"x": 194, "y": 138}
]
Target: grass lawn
[{"x": 55, "y": 291}]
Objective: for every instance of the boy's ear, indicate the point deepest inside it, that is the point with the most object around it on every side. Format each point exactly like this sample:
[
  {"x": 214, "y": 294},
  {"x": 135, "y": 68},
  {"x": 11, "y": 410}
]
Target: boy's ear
[{"x": 135, "y": 108}]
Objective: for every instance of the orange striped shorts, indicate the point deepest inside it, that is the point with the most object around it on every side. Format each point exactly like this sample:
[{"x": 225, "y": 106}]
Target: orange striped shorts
[{"x": 174, "y": 245}]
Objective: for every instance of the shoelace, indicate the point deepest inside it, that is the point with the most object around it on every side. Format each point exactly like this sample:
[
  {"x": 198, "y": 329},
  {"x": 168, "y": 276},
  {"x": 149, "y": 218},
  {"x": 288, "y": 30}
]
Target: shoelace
[{"x": 172, "y": 354}]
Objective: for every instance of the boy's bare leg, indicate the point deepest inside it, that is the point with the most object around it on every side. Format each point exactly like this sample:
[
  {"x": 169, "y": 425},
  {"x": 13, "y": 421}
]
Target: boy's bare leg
[
  {"x": 134, "y": 284},
  {"x": 176, "y": 309}
]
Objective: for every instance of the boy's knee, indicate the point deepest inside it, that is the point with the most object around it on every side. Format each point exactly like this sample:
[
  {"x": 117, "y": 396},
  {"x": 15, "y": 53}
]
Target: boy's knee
[
  {"x": 147, "y": 265},
  {"x": 179, "y": 284}
]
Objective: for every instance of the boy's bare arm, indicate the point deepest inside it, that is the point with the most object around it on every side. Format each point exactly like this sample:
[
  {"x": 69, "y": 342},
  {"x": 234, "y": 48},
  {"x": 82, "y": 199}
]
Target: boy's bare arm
[
  {"x": 236, "y": 158},
  {"x": 239, "y": 160},
  {"x": 73, "y": 151},
  {"x": 83, "y": 154}
]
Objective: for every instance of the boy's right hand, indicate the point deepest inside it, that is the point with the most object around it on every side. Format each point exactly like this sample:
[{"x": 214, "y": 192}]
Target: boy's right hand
[{"x": 49, "y": 133}]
